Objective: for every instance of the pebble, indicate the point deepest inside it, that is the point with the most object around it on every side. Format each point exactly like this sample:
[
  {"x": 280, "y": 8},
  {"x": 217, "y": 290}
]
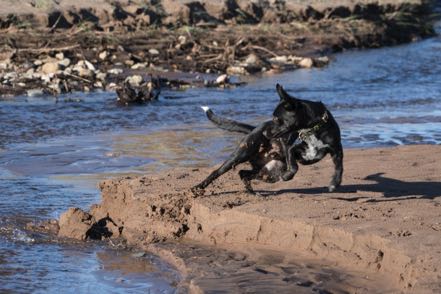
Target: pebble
[
  {"x": 139, "y": 65},
  {"x": 222, "y": 79},
  {"x": 153, "y": 51},
  {"x": 59, "y": 56},
  {"x": 34, "y": 92},
  {"x": 89, "y": 65},
  {"x": 84, "y": 72},
  {"x": 101, "y": 76},
  {"x": 281, "y": 59},
  {"x": 49, "y": 67},
  {"x": 139, "y": 254},
  {"x": 103, "y": 55},
  {"x": 236, "y": 70},
  {"x": 182, "y": 39},
  {"x": 252, "y": 59},
  {"x": 135, "y": 80},
  {"x": 306, "y": 62},
  {"x": 65, "y": 62},
  {"x": 115, "y": 71},
  {"x": 4, "y": 65}
]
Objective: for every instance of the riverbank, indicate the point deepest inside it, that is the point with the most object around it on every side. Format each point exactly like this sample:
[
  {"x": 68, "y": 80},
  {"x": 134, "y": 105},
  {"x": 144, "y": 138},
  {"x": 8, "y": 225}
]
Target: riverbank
[
  {"x": 53, "y": 47},
  {"x": 383, "y": 222}
]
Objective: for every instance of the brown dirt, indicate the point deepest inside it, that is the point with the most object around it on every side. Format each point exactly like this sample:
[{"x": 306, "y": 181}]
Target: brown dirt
[
  {"x": 185, "y": 36},
  {"x": 384, "y": 222}
]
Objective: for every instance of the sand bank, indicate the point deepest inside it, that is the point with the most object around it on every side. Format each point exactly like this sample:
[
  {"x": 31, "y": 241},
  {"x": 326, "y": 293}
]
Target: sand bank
[{"x": 385, "y": 220}]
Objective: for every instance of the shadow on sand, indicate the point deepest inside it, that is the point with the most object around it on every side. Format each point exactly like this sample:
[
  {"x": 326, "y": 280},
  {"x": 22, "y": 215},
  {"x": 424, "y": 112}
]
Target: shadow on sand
[{"x": 389, "y": 187}]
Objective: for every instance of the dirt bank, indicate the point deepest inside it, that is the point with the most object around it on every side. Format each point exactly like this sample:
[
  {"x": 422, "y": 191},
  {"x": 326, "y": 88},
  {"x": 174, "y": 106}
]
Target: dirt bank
[
  {"x": 384, "y": 222},
  {"x": 61, "y": 46}
]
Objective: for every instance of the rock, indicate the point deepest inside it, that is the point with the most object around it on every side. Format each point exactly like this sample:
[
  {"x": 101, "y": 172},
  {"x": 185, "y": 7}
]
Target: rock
[
  {"x": 75, "y": 223},
  {"x": 55, "y": 86},
  {"x": 84, "y": 72},
  {"x": 98, "y": 84},
  {"x": 65, "y": 62},
  {"x": 38, "y": 62},
  {"x": 222, "y": 79},
  {"x": 111, "y": 87},
  {"x": 252, "y": 59},
  {"x": 134, "y": 80},
  {"x": 129, "y": 62},
  {"x": 139, "y": 65},
  {"x": 182, "y": 40},
  {"x": 306, "y": 62},
  {"x": 89, "y": 65},
  {"x": 139, "y": 254},
  {"x": 237, "y": 70},
  {"x": 34, "y": 92},
  {"x": 5, "y": 64},
  {"x": 29, "y": 74},
  {"x": 49, "y": 68},
  {"x": 46, "y": 78},
  {"x": 321, "y": 61},
  {"x": 153, "y": 52},
  {"x": 68, "y": 70},
  {"x": 103, "y": 55},
  {"x": 10, "y": 76},
  {"x": 59, "y": 56},
  {"x": 279, "y": 59},
  {"x": 101, "y": 76},
  {"x": 253, "y": 63},
  {"x": 115, "y": 71}
]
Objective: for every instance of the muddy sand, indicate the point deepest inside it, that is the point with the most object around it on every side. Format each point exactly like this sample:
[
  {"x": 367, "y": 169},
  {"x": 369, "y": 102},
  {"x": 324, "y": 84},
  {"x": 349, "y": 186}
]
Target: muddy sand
[
  {"x": 380, "y": 232},
  {"x": 54, "y": 47}
]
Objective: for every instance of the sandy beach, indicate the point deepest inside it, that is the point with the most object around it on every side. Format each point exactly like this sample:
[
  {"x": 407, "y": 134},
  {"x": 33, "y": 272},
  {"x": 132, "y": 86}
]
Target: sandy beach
[{"x": 384, "y": 222}]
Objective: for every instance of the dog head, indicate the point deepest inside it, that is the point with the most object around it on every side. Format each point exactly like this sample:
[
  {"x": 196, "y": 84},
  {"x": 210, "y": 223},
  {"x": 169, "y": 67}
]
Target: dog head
[{"x": 288, "y": 114}]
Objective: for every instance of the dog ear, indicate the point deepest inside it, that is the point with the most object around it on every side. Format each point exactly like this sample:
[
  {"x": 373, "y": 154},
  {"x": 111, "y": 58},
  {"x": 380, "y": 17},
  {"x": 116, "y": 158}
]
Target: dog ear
[{"x": 282, "y": 93}]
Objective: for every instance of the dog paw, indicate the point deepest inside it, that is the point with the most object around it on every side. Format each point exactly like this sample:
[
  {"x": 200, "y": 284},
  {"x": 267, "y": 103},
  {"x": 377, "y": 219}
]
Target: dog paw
[
  {"x": 197, "y": 191},
  {"x": 288, "y": 176}
]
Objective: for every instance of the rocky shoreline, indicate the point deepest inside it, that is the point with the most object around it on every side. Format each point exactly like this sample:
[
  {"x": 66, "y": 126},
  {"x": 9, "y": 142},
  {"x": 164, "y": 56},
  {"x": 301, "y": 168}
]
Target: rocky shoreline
[
  {"x": 54, "y": 47},
  {"x": 383, "y": 223}
]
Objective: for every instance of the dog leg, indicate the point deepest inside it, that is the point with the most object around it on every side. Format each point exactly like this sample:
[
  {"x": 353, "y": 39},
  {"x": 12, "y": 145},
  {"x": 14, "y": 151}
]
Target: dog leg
[
  {"x": 337, "y": 159},
  {"x": 246, "y": 176},
  {"x": 292, "y": 155},
  {"x": 226, "y": 166}
]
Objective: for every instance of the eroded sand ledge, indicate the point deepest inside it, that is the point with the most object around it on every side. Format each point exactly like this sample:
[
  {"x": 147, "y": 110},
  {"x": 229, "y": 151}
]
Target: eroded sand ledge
[{"x": 386, "y": 219}]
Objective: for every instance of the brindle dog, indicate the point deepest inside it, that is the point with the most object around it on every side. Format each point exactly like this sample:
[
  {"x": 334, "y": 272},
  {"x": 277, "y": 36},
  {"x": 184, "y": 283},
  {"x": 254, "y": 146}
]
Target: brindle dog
[{"x": 265, "y": 154}]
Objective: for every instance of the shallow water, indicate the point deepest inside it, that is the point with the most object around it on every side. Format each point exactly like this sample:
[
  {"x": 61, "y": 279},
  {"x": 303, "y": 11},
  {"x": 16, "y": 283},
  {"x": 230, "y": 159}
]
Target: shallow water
[{"x": 52, "y": 153}]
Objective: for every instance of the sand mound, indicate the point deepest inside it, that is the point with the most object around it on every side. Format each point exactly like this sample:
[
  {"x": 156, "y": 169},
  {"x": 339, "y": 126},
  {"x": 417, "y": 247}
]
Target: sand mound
[{"x": 384, "y": 220}]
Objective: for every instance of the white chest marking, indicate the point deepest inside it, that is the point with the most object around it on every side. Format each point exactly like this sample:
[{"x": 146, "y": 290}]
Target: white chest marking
[{"x": 314, "y": 145}]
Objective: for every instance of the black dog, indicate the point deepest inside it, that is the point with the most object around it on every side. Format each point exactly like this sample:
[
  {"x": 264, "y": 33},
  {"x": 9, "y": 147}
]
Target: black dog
[
  {"x": 318, "y": 131},
  {"x": 265, "y": 154},
  {"x": 293, "y": 119}
]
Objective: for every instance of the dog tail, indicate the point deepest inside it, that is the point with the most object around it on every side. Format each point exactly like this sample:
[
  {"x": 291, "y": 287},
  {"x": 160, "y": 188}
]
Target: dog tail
[{"x": 227, "y": 124}]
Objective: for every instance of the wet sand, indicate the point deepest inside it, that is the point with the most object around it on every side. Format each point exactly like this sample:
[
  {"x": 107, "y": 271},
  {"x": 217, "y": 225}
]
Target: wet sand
[{"x": 379, "y": 232}]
